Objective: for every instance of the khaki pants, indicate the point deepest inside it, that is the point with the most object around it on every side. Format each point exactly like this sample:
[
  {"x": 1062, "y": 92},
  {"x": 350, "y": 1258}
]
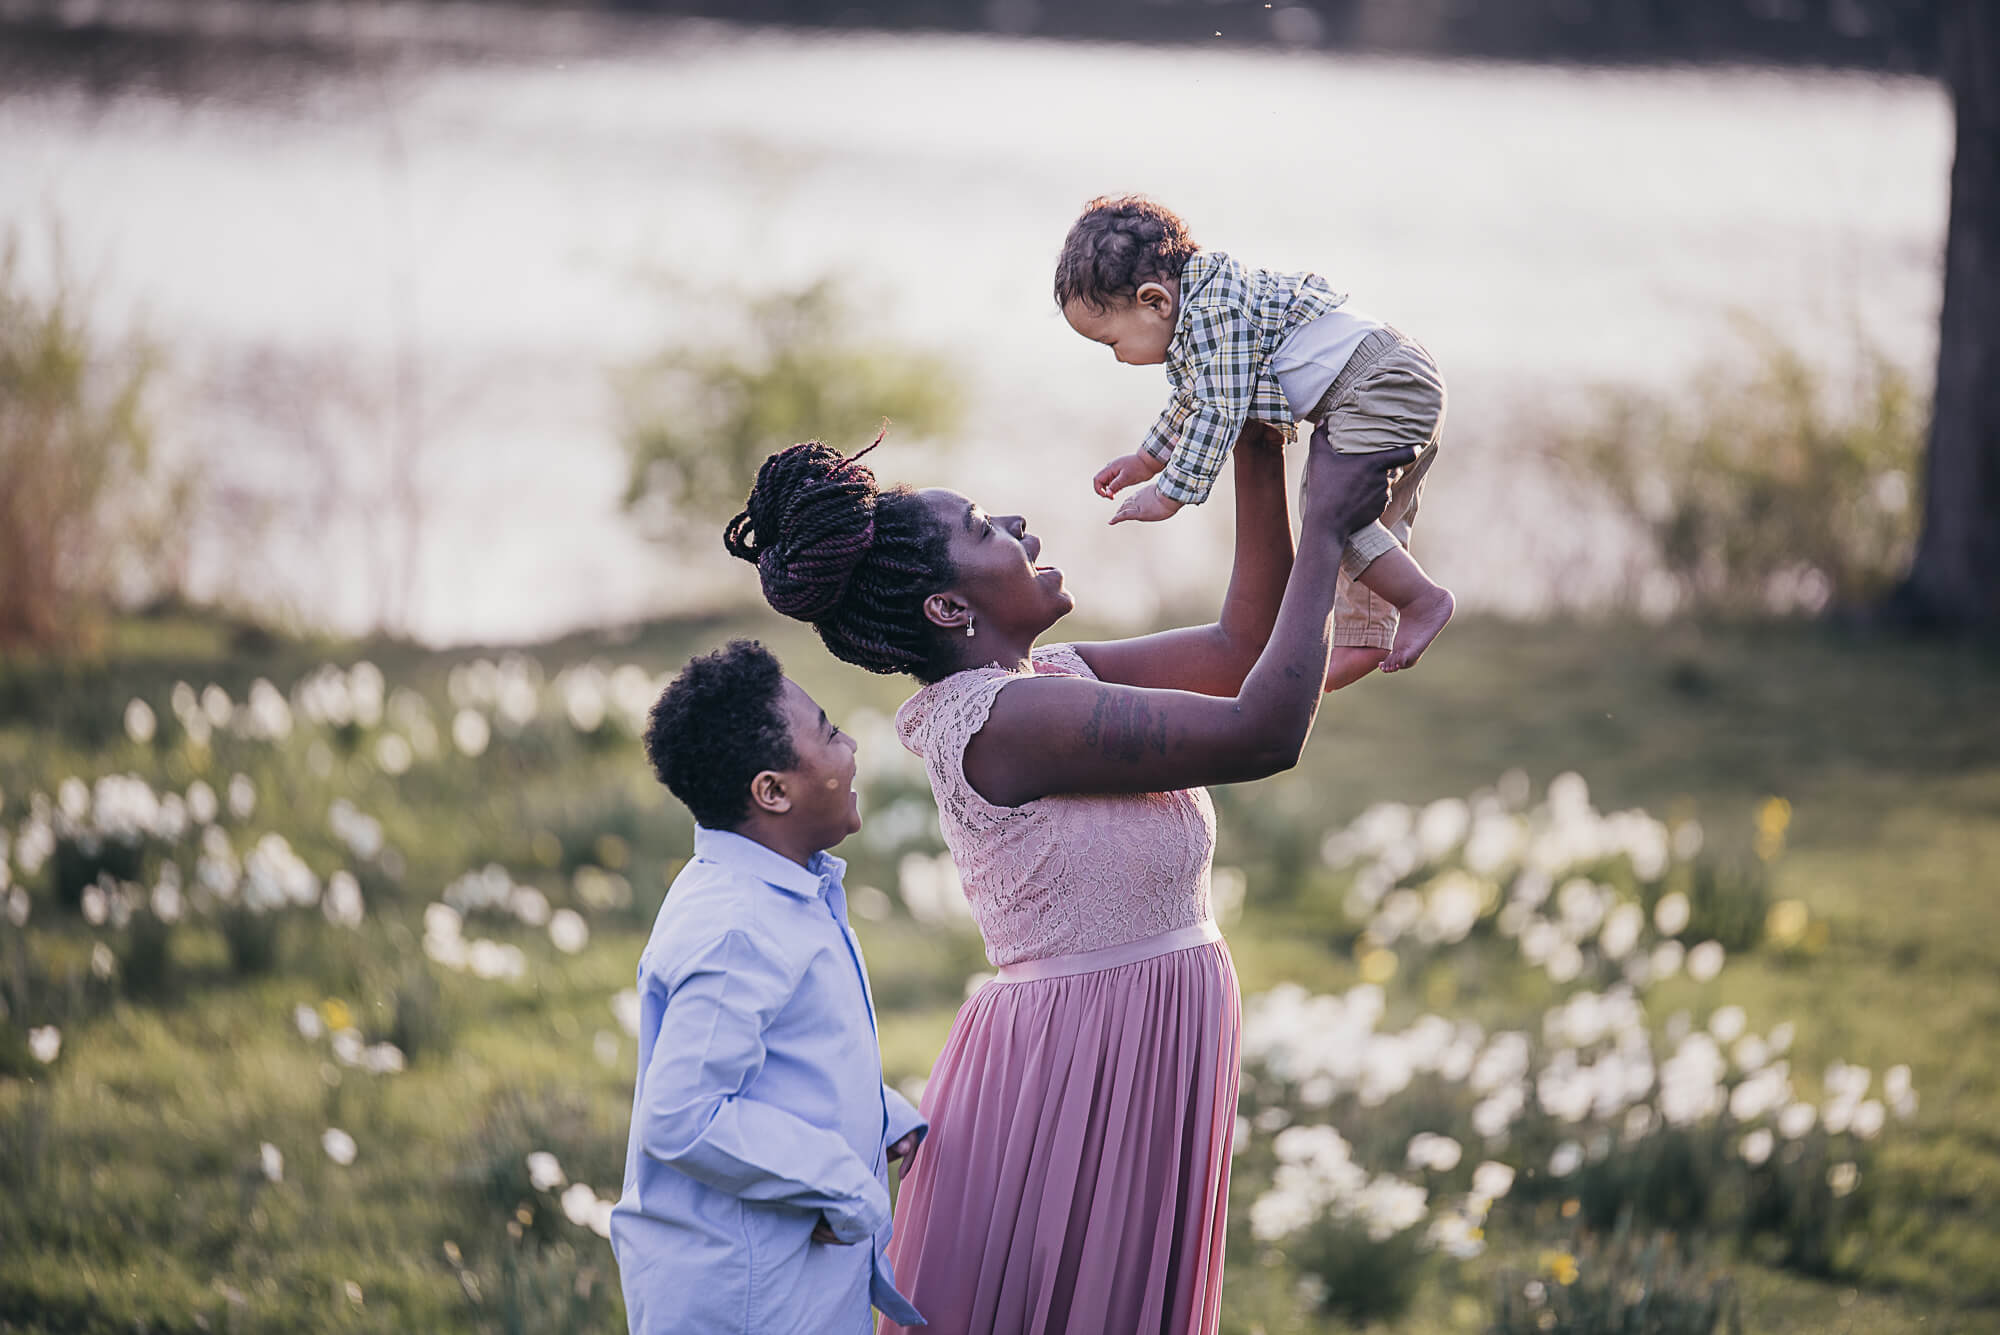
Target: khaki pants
[{"x": 1388, "y": 396}]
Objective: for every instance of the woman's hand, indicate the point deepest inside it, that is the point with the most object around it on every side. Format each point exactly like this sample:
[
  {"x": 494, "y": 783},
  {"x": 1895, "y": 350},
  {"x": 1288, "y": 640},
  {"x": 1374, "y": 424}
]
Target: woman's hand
[{"x": 1344, "y": 493}]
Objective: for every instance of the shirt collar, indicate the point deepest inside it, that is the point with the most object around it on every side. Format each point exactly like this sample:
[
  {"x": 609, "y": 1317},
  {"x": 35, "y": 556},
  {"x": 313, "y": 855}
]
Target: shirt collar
[{"x": 732, "y": 850}]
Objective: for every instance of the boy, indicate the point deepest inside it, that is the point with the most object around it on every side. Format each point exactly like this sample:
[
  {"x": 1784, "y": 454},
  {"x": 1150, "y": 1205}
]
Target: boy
[
  {"x": 756, "y": 1174},
  {"x": 1243, "y": 345}
]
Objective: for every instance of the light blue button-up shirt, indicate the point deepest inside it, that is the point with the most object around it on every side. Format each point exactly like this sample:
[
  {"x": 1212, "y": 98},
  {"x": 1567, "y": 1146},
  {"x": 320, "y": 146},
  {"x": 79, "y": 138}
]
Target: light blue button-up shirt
[{"x": 760, "y": 1108}]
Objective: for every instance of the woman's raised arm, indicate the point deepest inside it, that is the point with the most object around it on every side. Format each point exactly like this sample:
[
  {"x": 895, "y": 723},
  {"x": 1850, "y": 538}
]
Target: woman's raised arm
[
  {"x": 1214, "y": 659},
  {"x": 1069, "y": 735}
]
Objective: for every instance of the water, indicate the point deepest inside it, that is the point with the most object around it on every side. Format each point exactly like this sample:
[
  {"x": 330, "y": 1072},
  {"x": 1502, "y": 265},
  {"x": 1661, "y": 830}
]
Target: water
[{"x": 484, "y": 227}]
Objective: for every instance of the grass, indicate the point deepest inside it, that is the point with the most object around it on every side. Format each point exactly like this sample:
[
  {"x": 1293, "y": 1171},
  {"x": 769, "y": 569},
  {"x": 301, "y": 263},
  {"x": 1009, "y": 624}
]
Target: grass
[{"x": 134, "y": 1196}]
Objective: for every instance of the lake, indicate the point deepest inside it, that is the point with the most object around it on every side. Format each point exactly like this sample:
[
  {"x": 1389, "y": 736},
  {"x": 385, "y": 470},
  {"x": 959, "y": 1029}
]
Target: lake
[{"x": 392, "y": 293}]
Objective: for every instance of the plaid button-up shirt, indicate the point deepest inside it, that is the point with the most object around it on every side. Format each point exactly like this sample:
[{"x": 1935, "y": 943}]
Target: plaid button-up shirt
[{"x": 1219, "y": 363}]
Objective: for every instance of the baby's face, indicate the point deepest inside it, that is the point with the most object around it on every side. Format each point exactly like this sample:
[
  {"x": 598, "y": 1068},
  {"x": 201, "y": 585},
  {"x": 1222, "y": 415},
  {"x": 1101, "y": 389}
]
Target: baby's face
[{"x": 1136, "y": 329}]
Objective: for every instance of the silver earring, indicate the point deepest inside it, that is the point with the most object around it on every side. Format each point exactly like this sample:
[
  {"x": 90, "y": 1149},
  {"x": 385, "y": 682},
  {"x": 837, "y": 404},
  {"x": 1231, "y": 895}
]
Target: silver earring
[{"x": 969, "y": 632}]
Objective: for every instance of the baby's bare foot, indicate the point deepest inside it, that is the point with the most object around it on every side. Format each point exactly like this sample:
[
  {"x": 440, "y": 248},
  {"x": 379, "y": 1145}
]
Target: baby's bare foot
[
  {"x": 1350, "y": 663},
  {"x": 1417, "y": 626}
]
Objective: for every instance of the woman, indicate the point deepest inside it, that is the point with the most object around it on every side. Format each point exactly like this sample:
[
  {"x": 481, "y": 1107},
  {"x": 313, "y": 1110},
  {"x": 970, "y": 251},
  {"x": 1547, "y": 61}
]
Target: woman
[{"x": 1077, "y": 1171}]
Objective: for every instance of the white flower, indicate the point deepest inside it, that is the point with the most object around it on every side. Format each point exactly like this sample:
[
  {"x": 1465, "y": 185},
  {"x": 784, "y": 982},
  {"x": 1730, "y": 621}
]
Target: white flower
[
  {"x": 1427, "y": 1150},
  {"x": 1672, "y": 913},
  {"x": 167, "y": 901},
  {"x": 1621, "y": 931},
  {"x": 625, "y": 1007},
  {"x": 342, "y": 903},
  {"x": 1566, "y": 1160},
  {"x": 1868, "y": 1119},
  {"x": 1665, "y": 961},
  {"x": 45, "y": 1043},
  {"x": 600, "y": 1217},
  {"x": 383, "y": 1059},
  {"x": 272, "y": 1161},
  {"x": 1727, "y": 1023},
  {"x": 102, "y": 962},
  {"x": 339, "y": 1146},
  {"x": 490, "y": 960},
  {"x": 1492, "y": 1180},
  {"x": 530, "y": 905},
  {"x": 1756, "y": 1146},
  {"x": 1843, "y": 1178},
  {"x": 17, "y": 907},
  {"x": 1705, "y": 961},
  {"x": 216, "y": 706},
  {"x": 578, "y": 1203},
  {"x": 242, "y": 797},
  {"x": 311, "y": 1027},
  {"x": 96, "y": 905},
  {"x": 201, "y": 803},
  {"x": 569, "y": 931},
  {"x": 394, "y": 753},
  {"x": 140, "y": 722},
  {"x": 1796, "y": 1120},
  {"x": 348, "y": 1047},
  {"x": 470, "y": 732},
  {"x": 442, "y": 921},
  {"x": 544, "y": 1172},
  {"x": 1750, "y": 1053}
]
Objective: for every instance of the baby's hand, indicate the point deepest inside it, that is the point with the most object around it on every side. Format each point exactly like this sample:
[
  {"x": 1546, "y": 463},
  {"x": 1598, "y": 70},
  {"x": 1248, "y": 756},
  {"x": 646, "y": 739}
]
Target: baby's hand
[
  {"x": 1146, "y": 504},
  {"x": 1126, "y": 470}
]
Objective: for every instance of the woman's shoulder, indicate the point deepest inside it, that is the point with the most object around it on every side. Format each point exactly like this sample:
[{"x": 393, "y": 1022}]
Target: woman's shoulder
[{"x": 958, "y": 704}]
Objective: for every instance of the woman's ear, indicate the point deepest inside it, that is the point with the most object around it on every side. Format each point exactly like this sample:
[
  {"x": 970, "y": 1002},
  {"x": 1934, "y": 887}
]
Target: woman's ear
[
  {"x": 768, "y": 793},
  {"x": 948, "y": 611}
]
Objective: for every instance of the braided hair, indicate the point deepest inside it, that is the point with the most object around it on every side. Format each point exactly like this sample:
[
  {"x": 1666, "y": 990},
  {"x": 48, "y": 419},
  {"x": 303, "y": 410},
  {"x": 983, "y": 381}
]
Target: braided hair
[
  {"x": 1119, "y": 243},
  {"x": 855, "y": 562}
]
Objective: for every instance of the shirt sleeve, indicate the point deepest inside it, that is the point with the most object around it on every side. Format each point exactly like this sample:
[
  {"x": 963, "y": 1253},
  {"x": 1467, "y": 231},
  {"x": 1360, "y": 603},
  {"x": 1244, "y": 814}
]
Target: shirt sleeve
[
  {"x": 697, "y": 1119},
  {"x": 903, "y": 1119},
  {"x": 1214, "y": 403}
]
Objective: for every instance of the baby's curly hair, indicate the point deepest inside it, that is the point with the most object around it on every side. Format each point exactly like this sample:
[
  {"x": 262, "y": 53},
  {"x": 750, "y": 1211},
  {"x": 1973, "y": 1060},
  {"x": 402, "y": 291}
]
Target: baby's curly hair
[
  {"x": 1119, "y": 243},
  {"x": 716, "y": 727},
  {"x": 855, "y": 562}
]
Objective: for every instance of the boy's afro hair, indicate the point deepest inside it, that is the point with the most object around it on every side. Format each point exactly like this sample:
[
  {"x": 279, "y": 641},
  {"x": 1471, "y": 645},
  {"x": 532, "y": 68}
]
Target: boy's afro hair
[{"x": 716, "y": 727}]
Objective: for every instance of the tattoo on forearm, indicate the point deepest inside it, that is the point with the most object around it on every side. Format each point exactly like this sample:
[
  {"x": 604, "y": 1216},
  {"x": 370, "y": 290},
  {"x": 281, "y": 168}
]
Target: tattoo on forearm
[{"x": 1125, "y": 727}]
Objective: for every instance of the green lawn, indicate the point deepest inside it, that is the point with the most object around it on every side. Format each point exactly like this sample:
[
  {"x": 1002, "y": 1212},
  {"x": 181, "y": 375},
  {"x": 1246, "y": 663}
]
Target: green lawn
[{"x": 131, "y": 1191}]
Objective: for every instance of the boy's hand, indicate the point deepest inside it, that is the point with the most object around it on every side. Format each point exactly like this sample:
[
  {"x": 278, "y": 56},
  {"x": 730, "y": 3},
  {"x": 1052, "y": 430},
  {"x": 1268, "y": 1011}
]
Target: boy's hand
[
  {"x": 1147, "y": 505},
  {"x": 823, "y": 1232},
  {"x": 1127, "y": 470},
  {"x": 905, "y": 1147}
]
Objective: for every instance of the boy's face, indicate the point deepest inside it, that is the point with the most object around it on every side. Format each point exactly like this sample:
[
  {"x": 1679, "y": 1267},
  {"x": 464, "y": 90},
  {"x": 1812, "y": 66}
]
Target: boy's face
[
  {"x": 822, "y": 782},
  {"x": 1137, "y": 329}
]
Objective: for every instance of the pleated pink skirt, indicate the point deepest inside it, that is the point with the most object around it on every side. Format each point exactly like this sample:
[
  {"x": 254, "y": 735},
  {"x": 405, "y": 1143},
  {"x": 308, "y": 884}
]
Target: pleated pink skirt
[{"x": 1076, "y": 1174}]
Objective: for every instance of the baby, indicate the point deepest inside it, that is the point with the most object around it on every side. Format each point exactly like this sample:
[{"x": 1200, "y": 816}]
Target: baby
[{"x": 1244, "y": 346}]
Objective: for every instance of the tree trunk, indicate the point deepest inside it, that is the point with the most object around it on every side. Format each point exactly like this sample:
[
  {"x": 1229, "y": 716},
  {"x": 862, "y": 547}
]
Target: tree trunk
[{"x": 1954, "y": 583}]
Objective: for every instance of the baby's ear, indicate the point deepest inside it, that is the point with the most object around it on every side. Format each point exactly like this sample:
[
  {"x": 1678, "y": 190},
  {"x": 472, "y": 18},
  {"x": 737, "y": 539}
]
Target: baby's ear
[{"x": 1155, "y": 297}]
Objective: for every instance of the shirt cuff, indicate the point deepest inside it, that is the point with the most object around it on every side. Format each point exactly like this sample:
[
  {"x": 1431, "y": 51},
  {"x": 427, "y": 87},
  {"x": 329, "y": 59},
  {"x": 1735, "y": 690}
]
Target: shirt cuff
[
  {"x": 903, "y": 1119},
  {"x": 862, "y": 1217},
  {"x": 1175, "y": 487}
]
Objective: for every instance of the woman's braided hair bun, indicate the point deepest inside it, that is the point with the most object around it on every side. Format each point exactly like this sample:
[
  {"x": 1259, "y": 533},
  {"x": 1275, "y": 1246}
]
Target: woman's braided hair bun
[
  {"x": 809, "y": 521},
  {"x": 855, "y": 561}
]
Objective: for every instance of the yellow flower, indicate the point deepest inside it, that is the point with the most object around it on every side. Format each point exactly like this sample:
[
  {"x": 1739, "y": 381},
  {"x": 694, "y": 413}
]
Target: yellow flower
[
  {"x": 1378, "y": 965},
  {"x": 1560, "y": 1266},
  {"x": 1774, "y": 816},
  {"x": 1570, "y": 1207},
  {"x": 1786, "y": 922},
  {"x": 334, "y": 1011}
]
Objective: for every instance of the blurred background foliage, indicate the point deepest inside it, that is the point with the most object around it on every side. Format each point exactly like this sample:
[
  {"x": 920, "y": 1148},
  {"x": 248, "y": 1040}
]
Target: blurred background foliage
[
  {"x": 700, "y": 415},
  {"x": 90, "y": 515},
  {"x": 1765, "y": 486}
]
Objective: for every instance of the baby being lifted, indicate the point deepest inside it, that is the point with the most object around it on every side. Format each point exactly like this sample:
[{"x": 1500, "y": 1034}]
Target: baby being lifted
[{"x": 1246, "y": 346}]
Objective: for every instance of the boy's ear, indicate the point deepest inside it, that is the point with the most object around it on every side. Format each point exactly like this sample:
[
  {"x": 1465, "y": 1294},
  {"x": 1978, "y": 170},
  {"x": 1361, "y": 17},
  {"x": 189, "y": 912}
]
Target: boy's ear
[
  {"x": 1155, "y": 297},
  {"x": 769, "y": 794}
]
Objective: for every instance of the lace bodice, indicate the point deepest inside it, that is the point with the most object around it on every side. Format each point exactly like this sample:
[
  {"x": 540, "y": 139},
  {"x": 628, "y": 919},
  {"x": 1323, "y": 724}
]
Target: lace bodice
[{"x": 1063, "y": 873}]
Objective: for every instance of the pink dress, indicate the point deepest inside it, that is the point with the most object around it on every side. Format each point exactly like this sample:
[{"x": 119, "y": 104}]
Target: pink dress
[{"x": 1076, "y": 1174}]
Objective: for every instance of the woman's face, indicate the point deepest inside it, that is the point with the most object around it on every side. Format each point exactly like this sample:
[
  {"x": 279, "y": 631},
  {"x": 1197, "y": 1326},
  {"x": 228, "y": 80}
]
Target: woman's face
[{"x": 994, "y": 556}]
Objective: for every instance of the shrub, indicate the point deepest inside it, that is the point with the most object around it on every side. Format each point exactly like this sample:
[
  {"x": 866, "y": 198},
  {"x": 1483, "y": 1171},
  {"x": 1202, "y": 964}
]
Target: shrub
[
  {"x": 1763, "y": 495},
  {"x": 83, "y": 517},
  {"x": 701, "y": 415}
]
